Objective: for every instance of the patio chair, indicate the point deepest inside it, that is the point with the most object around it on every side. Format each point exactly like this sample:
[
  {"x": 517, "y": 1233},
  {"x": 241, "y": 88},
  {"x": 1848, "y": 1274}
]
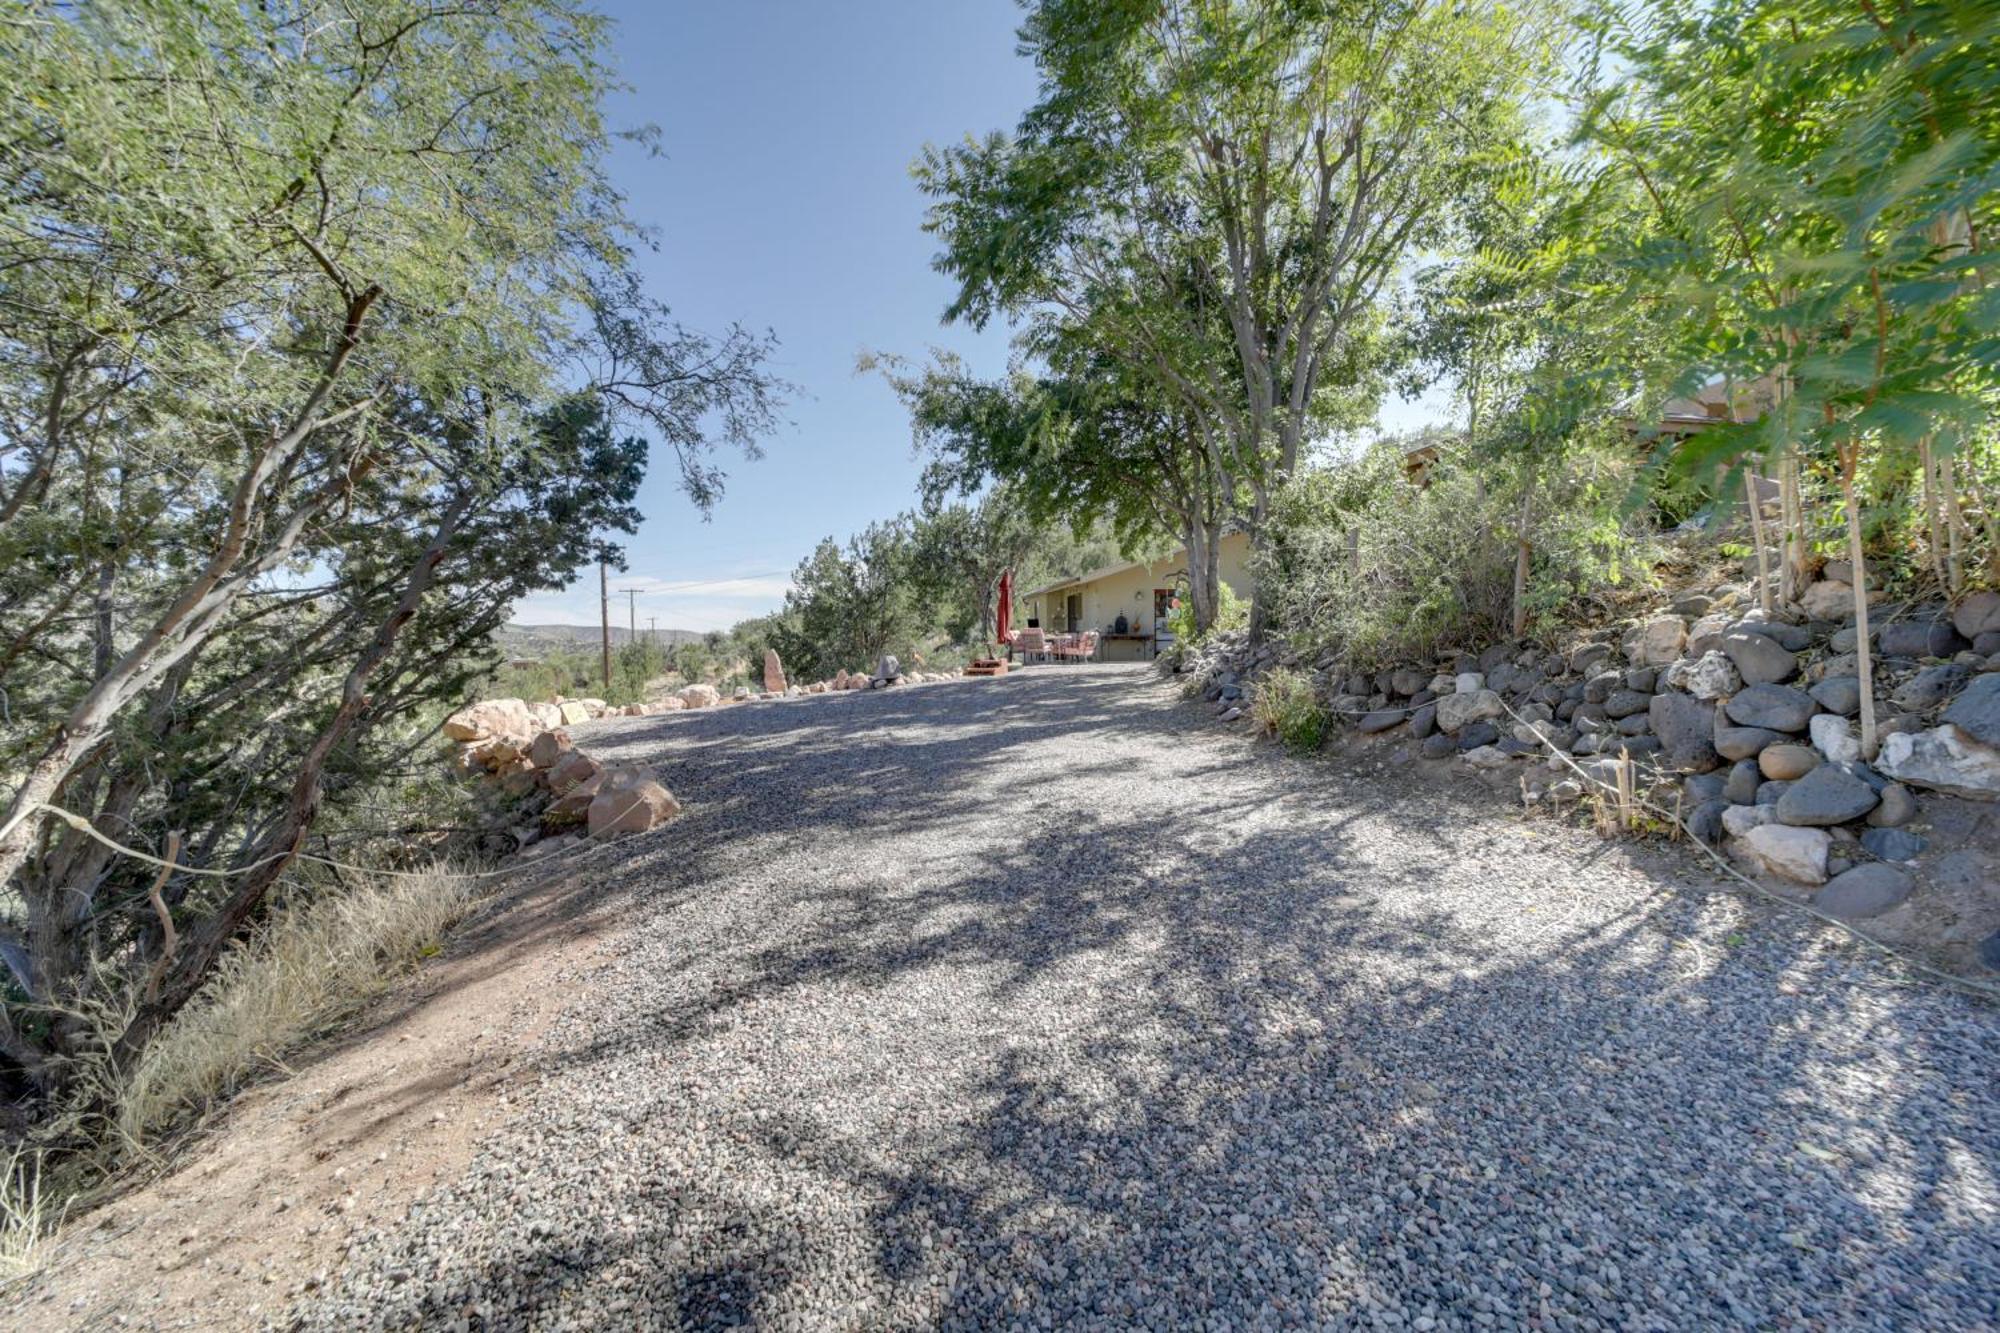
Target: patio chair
[
  {"x": 1077, "y": 647},
  {"x": 1031, "y": 644}
]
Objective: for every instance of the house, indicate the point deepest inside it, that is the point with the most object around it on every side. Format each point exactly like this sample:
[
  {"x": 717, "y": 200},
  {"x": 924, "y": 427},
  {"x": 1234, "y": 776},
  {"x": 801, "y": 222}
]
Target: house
[
  {"x": 1681, "y": 417},
  {"x": 1139, "y": 590}
]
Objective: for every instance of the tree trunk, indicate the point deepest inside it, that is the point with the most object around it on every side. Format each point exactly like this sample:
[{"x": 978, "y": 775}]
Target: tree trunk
[
  {"x": 1954, "y": 525},
  {"x": 1523, "y": 555},
  {"x": 193, "y": 616},
  {"x": 1757, "y": 539},
  {"x": 1202, "y": 574},
  {"x": 204, "y": 943},
  {"x": 1933, "y": 512},
  {"x": 1792, "y": 571}
]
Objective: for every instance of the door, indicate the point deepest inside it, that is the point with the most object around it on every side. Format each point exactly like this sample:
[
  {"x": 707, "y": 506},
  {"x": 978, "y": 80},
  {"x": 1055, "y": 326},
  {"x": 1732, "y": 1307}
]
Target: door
[{"x": 1073, "y": 613}]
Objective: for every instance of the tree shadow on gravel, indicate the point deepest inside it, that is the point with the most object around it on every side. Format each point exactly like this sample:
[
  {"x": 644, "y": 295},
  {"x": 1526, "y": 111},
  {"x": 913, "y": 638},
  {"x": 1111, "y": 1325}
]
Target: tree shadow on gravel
[{"x": 1304, "y": 1047}]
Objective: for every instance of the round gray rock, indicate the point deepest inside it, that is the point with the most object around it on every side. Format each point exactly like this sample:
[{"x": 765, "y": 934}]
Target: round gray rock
[
  {"x": 1826, "y": 796},
  {"x": 1776, "y": 707},
  {"x": 1759, "y": 660},
  {"x": 1864, "y": 891}
]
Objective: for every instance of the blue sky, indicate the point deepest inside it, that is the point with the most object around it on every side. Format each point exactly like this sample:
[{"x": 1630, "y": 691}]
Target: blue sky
[{"x": 783, "y": 199}]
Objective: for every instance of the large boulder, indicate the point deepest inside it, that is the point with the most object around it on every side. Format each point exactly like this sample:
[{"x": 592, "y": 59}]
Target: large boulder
[
  {"x": 1685, "y": 727},
  {"x": 1797, "y": 854},
  {"x": 1838, "y": 694},
  {"x": 508, "y": 718},
  {"x": 1930, "y": 687},
  {"x": 1919, "y": 638},
  {"x": 547, "y": 716},
  {"x": 1976, "y": 711},
  {"x": 574, "y": 803},
  {"x": 1711, "y": 676},
  {"x": 1826, "y": 796},
  {"x": 548, "y": 747},
  {"x": 1864, "y": 891},
  {"x": 700, "y": 696},
  {"x": 570, "y": 769},
  {"x": 628, "y": 800},
  {"x": 1455, "y": 711},
  {"x": 1774, "y": 707},
  {"x": 1978, "y": 614},
  {"x": 1945, "y": 759},
  {"x": 1828, "y": 599},
  {"x": 1657, "y": 642},
  {"x": 1744, "y": 742},
  {"x": 673, "y": 703},
  {"x": 1759, "y": 660},
  {"x": 774, "y": 672}
]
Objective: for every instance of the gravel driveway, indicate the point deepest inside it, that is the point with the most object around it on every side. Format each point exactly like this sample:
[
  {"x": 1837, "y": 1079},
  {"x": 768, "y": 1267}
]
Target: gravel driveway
[{"x": 1044, "y": 1003}]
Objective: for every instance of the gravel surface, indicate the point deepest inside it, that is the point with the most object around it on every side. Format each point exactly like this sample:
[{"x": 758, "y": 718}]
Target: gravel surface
[{"x": 1045, "y": 1003}]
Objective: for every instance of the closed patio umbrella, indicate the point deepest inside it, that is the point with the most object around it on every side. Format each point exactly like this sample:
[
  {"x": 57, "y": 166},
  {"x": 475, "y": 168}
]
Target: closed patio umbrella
[{"x": 1003, "y": 618}]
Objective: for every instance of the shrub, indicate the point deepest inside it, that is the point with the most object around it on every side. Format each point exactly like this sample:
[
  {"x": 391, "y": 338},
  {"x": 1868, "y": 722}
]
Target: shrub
[
  {"x": 1285, "y": 706},
  {"x": 1362, "y": 563},
  {"x": 1231, "y": 613}
]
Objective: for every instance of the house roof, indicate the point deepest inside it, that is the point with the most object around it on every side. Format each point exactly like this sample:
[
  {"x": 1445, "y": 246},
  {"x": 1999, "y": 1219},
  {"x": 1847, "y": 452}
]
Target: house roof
[{"x": 1104, "y": 573}]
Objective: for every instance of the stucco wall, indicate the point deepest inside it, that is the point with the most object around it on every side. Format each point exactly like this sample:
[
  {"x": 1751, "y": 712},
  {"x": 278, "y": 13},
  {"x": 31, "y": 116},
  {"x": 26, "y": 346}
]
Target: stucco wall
[{"x": 1130, "y": 591}]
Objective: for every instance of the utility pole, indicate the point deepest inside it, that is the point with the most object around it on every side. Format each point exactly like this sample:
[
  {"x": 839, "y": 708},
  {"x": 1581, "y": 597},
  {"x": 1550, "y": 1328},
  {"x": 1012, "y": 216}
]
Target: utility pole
[
  {"x": 632, "y": 614},
  {"x": 653, "y": 629},
  {"x": 604, "y": 618}
]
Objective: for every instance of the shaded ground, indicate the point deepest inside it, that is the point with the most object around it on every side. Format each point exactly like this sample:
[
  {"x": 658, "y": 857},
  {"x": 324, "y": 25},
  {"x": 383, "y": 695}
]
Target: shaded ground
[{"x": 1041, "y": 1003}]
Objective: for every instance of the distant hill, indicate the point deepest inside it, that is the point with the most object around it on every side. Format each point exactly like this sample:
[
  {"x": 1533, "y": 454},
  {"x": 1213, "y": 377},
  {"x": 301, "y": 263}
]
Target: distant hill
[{"x": 540, "y": 640}]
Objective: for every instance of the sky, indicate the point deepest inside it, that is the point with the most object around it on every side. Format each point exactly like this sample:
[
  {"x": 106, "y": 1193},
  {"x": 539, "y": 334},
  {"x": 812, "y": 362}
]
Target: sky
[{"x": 782, "y": 199}]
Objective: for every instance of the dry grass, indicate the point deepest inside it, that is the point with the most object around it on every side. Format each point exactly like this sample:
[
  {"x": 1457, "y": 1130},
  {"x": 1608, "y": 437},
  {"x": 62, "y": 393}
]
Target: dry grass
[
  {"x": 310, "y": 967},
  {"x": 27, "y": 1218}
]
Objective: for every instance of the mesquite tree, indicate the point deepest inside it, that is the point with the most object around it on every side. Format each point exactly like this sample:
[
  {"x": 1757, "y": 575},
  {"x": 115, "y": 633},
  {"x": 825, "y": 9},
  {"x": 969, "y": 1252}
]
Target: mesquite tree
[{"x": 318, "y": 345}]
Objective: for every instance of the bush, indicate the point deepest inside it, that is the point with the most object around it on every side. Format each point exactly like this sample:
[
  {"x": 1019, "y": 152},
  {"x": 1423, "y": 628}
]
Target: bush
[
  {"x": 1361, "y": 563},
  {"x": 1231, "y": 613},
  {"x": 1285, "y": 706}
]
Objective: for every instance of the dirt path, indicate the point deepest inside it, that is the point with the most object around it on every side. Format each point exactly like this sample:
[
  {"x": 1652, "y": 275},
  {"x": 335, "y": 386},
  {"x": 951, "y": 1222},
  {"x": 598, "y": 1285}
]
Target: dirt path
[
  {"x": 265, "y": 1207},
  {"x": 1043, "y": 1003}
]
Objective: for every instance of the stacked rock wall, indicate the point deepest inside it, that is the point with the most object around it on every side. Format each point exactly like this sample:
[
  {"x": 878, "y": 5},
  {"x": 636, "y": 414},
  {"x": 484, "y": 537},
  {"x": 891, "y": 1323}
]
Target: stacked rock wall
[{"x": 1743, "y": 722}]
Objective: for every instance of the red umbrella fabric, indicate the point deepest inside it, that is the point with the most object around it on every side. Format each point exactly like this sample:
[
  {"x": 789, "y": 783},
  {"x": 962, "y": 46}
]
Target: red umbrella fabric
[{"x": 1004, "y": 617}]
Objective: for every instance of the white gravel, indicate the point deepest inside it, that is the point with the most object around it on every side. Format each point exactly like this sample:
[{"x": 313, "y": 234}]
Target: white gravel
[{"x": 1043, "y": 1003}]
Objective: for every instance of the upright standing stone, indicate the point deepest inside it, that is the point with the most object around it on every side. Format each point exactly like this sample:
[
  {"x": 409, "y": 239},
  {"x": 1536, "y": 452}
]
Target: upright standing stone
[{"x": 774, "y": 672}]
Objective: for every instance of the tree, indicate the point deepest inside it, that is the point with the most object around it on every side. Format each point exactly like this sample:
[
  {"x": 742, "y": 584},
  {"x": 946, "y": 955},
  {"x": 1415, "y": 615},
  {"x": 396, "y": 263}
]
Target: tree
[
  {"x": 958, "y": 553},
  {"x": 1532, "y": 327},
  {"x": 1833, "y": 250},
  {"x": 1220, "y": 190},
  {"x": 849, "y": 606},
  {"x": 1071, "y": 450},
  {"x": 318, "y": 345}
]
